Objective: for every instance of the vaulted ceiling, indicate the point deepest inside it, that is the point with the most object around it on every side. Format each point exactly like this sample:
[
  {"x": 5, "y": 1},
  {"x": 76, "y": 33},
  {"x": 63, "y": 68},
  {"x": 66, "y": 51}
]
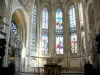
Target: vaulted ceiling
[{"x": 27, "y": 4}]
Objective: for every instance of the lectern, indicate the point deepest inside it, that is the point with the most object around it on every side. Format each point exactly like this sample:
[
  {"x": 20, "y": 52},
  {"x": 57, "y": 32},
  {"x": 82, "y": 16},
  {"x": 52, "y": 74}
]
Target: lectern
[{"x": 52, "y": 69}]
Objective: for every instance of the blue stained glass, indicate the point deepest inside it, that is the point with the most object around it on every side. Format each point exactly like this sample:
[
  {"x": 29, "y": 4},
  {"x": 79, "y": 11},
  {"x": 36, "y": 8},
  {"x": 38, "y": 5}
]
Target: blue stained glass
[
  {"x": 59, "y": 32},
  {"x": 59, "y": 19},
  {"x": 72, "y": 18},
  {"x": 13, "y": 27},
  {"x": 33, "y": 33},
  {"x": 45, "y": 30}
]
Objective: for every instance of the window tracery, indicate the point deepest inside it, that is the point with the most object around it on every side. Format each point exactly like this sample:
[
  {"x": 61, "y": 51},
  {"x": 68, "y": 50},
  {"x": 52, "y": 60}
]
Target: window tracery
[
  {"x": 33, "y": 30},
  {"x": 73, "y": 34},
  {"x": 45, "y": 30},
  {"x": 59, "y": 31}
]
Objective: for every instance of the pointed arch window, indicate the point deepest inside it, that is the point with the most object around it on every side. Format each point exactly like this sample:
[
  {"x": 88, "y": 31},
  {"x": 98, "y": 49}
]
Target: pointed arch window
[
  {"x": 59, "y": 31},
  {"x": 33, "y": 31},
  {"x": 73, "y": 34},
  {"x": 44, "y": 30}
]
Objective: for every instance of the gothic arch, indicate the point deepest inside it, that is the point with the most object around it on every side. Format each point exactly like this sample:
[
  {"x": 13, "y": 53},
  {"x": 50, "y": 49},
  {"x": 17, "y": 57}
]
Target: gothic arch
[
  {"x": 46, "y": 4},
  {"x": 19, "y": 17},
  {"x": 86, "y": 10},
  {"x": 68, "y": 4},
  {"x": 87, "y": 15},
  {"x": 57, "y": 5},
  {"x": 90, "y": 27},
  {"x": 67, "y": 9}
]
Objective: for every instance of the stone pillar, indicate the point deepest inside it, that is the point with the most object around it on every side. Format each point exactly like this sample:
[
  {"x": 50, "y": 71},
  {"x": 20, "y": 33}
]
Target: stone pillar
[
  {"x": 78, "y": 27},
  {"x": 50, "y": 31},
  {"x": 53, "y": 25},
  {"x": 78, "y": 30},
  {"x": 8, "y": 16},
  {"x": 67, "y": 34},
  {"x": 30, "y": 36},
  {"x": 85, "y": 29},
  {"x": 29, "y": 41},
  {"x": 38, "y": 43}
]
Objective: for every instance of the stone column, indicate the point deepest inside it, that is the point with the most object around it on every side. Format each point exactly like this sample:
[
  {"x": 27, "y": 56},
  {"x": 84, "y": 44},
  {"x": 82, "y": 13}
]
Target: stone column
[
  {"x": 8, "y": 16},
  {"x": 38, "y": 43},
  {"x": 30, "y": 36},
  {"x": 66, "y": 33},
  {"x": 53, "y": 25},
  {"x": 50, "y": 31},
  {"x": 29, "y": 41},
  {"x": 85, "y": 28},
  {"x": 78, "y": 31}
]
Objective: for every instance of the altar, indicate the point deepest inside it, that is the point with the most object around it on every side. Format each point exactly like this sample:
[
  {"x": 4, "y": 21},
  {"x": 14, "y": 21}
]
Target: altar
[{"x": 52, "y": 69}]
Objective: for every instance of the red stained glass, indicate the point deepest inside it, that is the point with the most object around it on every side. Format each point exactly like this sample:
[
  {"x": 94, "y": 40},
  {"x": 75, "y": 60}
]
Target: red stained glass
[{"x": 59, "y": 32}]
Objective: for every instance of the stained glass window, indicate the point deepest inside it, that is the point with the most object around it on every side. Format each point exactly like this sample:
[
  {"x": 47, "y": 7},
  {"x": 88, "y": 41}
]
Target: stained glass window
[
  {"x": 59, "y": 32},
  {"x": 73, "y": 34},
  {"x": 13, "y": 27},
  {"x": 33, "y": 31},
  {"x": 44, "y": 30}
]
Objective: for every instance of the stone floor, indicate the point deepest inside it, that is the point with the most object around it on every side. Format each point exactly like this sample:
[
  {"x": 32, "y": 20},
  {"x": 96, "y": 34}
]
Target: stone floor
[{"x": 61, "y": 74}]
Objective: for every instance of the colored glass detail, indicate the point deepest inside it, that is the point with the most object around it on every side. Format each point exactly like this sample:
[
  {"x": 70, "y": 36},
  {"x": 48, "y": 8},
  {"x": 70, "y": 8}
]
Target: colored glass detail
[
  {"x": 33, "y": 31},
  {"x": 13, "y": 27},
  {"x": 45, "y": 30},
  {"x": 59, "y": 32},
  {"x": 73, "y": 33}
]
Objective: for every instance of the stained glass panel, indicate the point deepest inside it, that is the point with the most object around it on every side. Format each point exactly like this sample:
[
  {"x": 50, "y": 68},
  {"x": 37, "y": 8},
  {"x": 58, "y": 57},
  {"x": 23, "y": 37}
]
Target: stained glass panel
[
  {"x": 73, "y": 33},
  {"x": 59, "y": 32},
  {"x": 33, "y": 34},
  {"x": 59, "y": 44},
  {"x": 45, "y": 30},
  {"x": 13, "y": 27},
  {"x": 81, "y": 14},
  {"x": 74, "y": 42}
]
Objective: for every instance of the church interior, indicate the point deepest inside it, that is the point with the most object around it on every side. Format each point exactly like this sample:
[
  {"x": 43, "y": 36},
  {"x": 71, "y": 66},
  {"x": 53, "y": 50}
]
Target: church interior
[{"x": 41, "y": 36}]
